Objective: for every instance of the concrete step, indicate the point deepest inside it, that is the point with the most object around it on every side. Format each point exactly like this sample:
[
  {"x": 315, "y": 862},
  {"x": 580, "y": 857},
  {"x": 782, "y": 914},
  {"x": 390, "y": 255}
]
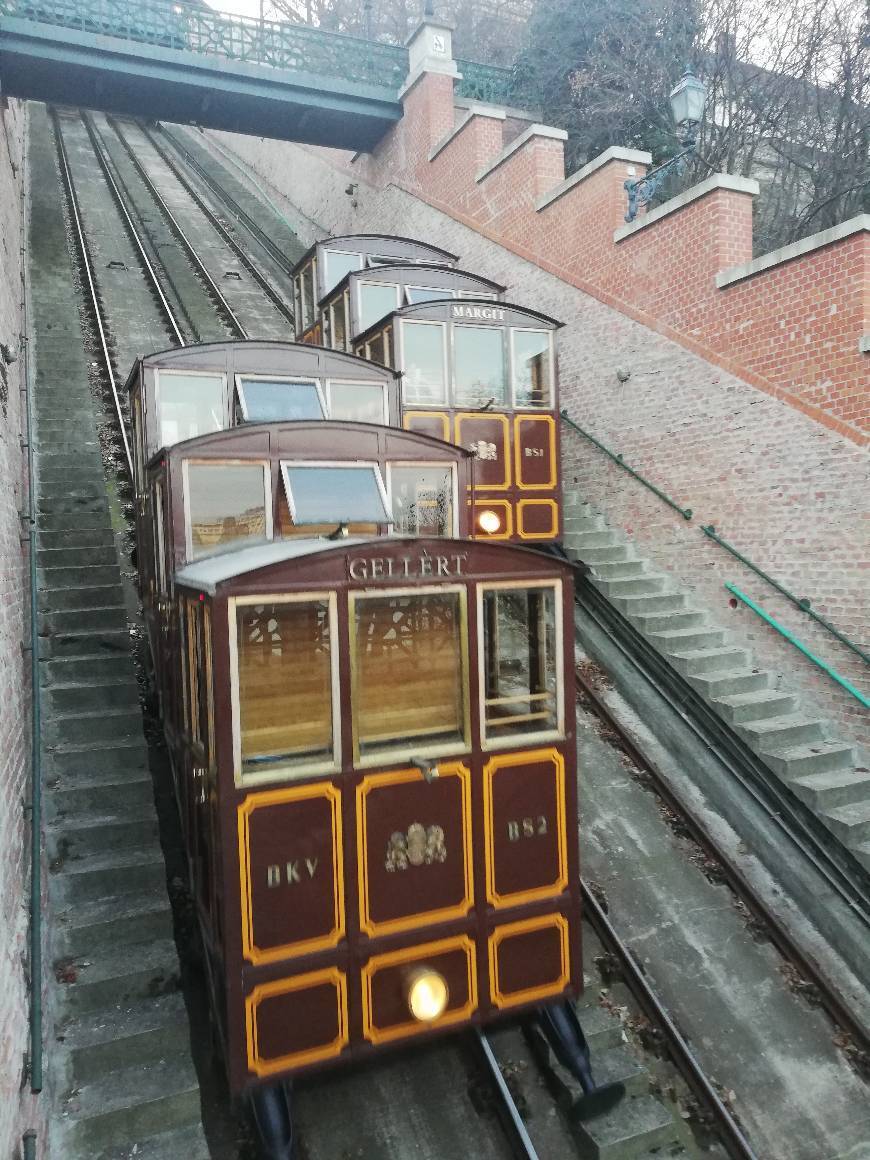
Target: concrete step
[
  {"x": 84, "y": 834},
  {"x": 862, "y": 853},
  {"x": 604, "y": 538},
  {"x": 635, "y": 586},
  {"x": 92, "y": 669},
  {"x": 632, "y": 606},
  {"x": 716, "y": 685},
  {"x": 77, "y": 538},
  {"x": 617, "y": 569},
  {"x": 612, "y": 554},
  {"x": 633, "y": 1125},
  {"x": 582, "y": 524},
  {"x": 75, "y": 501},
  {"x": 70, "y": 760},
  {"x": 89, "y": 792},
  {"x": 108, "y": 725},
  {"x": 74, "y": 469},
  {"x": 617, "y": 1064},
  {"x": 88, "y": 928},
  {"x": 850, "y": 823},
  {"x": 78, "y": 560},
  {"x": 68, "y": 449},
  {"x": 120, "y": 694},
  {"x": 131, "y": 1105},
  {"x": 823, "y": 791},
  {"x": 684, "y": 640},
  {"x": 120, "y": 975},
  {"x": 100, "y": 1043},
  {"x": 78, "y": 620},
  {"x": 601, "y": 1028},
  {"x": 115, "y": 872},
  {"x": 776, "y": 733},
  {"x": 57, "y": 521},
  {"x": 188, "y": 1143},
  {"x": 63, "y": 599},
  {"x": 710, "y": 660},
  {"x": 109, "y": 642},
  {"x": 755, "y": 706},
  {"x": 802, "y": 760},
  {"x": 649, "y": 622}
]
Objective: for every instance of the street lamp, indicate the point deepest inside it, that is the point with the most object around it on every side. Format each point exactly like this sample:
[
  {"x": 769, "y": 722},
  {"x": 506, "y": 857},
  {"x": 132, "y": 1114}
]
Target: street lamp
[{"x": 687, "y": 98}]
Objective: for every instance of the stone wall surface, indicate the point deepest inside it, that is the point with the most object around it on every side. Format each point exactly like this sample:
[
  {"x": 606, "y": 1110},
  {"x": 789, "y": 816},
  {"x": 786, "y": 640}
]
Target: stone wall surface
[
  {"x": 18, "y": 1109},
  {"x": 789, "y": 492}
]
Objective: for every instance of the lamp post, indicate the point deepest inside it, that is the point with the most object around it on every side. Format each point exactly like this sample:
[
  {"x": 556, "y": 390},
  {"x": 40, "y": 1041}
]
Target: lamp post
[{"x": 687, "y": 99}]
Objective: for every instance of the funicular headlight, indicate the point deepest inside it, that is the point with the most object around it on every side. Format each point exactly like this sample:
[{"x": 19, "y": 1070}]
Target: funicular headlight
[
  {"x": 489, "y": 521},
  {"x": 427, "y": 994}
]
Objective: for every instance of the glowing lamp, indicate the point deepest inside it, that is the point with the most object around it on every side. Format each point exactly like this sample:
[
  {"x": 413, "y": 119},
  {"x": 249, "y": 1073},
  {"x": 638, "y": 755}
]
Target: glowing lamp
[
  {"x": 489, "y": 521},
  {"x": 427, "y": 994}
]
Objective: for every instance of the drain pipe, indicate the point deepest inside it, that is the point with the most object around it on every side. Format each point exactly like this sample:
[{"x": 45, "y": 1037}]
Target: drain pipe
[
  {"x": 28, "y": 1141},
  {"x": 36, "y": 708}
]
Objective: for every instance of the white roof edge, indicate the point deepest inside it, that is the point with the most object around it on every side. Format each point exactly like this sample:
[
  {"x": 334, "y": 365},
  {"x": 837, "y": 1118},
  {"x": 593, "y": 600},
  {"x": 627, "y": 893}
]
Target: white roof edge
[
  {"x": 518, "y": 142},
  {"x": 855, "y": 225},
  {"x": 206, "y": 574},
  {"x": 614, "y": 153},
  {"x": 716, "y": 181}
]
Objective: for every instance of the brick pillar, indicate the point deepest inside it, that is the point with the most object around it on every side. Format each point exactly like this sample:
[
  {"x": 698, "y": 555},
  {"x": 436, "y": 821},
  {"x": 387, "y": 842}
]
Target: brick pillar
[{"x": 427, "y": 94}]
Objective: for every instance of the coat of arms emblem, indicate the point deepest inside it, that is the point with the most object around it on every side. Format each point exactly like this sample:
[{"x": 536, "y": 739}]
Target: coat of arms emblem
[{"x": 420, "y": 846}]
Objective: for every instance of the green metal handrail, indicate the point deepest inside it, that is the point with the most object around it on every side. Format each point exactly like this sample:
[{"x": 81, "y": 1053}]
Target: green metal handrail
[
  {"x": 792, "y": 639},
  {"x": 686, "y": 513},
  {"x": 484, "y": 82},
  {"x": 180, "y": 25},
  {"x": 799, "y": 602}
]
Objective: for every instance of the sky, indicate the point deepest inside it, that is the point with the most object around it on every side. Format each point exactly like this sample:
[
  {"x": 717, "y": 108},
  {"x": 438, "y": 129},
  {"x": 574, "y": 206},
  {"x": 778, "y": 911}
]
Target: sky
[{"x": 244, "y": 8}]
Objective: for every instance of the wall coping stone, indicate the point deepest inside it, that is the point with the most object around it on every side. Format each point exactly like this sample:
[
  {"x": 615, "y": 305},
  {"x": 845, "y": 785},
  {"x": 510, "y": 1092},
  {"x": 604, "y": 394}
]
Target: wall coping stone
[
  {"x": 508, "y": 110},
  {"x": 845, "y": 229},
  {"x": 715, "y": 181},
  {"x": 864, "y": 344},
  {"x": 518, "y": 142},
  {"x": 614, "y": 153},
  {"x": 475, "y": 110},
  {"x": 448, "y": 69}
]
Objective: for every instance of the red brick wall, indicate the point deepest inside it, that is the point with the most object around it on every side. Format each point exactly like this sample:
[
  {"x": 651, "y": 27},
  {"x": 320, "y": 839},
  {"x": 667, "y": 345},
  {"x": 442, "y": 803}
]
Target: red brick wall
[{"x": 18, "y": 1110}]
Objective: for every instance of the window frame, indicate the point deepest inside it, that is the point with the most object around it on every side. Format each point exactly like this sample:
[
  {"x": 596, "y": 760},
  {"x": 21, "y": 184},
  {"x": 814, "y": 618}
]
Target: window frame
[
  {"x": 521, "y": 740},
  {"x": 161, "y": 573},
  {"x": 476, "y": 324},
  {"x": 340, "y": 302},
  {"x": 201, "y": 374},
  {"x": 283, "y": 773},
  {"x": 306, "y": 380},
  {"x": 444, "y": 292},
  {"x": 354, "y": 383},
  {"x": 357, "y": 464},
  {"x": 394, "y": 286},
  {"x": 487, "y": 294},
  {"x": 447, "y": 350},
  {"x": 388, "y": 754},
  {"x": 229, "y": 462},
  {"x": 550, "y": 405},
  {"x": 327, "y": 250},
  {"x": 415, "y": 464}
]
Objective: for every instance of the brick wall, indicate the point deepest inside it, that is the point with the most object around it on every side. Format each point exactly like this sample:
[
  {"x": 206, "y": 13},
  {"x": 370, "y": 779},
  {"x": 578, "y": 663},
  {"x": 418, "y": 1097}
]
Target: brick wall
[
  {"x": 789, "y": 492},
  {"x": 18, "y": 1110}
]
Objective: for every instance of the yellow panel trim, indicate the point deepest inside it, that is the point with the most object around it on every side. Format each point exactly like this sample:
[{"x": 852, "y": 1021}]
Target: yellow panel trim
[
  {"x": 518, "y": 458},
  {"x": 262, "y": 1067},
  {"x": 508, "y": 519},
  {"x": 505, "y": 421},
  {"x": 445, "y": 420},
  {"x": 424, "y": 917},
  {"x": 418, "y": 954},
  {"x": 522, "y": 504},
  {"x": 505, "y": 761},
  {"x": 529, "y": 994},
  {"x": 256, "y": 801}
]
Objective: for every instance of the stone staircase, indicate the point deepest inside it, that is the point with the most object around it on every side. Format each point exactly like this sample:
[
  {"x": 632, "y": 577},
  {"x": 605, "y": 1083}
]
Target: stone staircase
[
  {"x": 120, "y": 1060},
  {"x": 799, "y": 748}
]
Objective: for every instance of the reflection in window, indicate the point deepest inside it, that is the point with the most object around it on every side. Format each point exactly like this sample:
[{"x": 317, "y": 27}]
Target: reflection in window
[
  {"x": 531, "y": 368},
  {"x": 422, "y": 500},
  {"x": 357, "y": 402},
  {"x": 424, "y": 372},
  {"x": 285, "y": 528},
  {"x": 519, "y": 635},
  {"x": 338, "y": 313},
  {"x": 409, "y": 684},
  {"x": 337, "y": 265},
  {"x": 273, "y": 400},
  {"x": 375, "y": 300},
  {"x": 285, "y": 684},
  {"x": 227, "y": 505},
  {"x": 479, "y": 371},
  {"x": 307, "y": 289},
  {"x": 336, "y": 495},
  {"x": 426, "y": 293},
  {"x": 189, "y": 405}
]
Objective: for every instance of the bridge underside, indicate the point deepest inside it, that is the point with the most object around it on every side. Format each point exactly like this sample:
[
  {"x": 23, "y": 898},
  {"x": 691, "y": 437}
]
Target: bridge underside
[{"x": 64, "y": 66}]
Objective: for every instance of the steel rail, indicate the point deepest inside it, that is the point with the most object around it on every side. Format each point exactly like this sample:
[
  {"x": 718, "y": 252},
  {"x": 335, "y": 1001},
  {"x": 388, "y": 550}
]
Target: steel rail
[
  {"x": 732, "y": 1137},
  {"x": 787, "y": 946},
  {"x": 509, "y": 1114},
  {"x": 192, "y": 253},
  {"x": 92, "y": 289},
  {"x": 100, "y": 152},
  {"x": 242, "y": 216},
  {"x": 835, "y": 864},
  {"x": 268, "y": 289}
]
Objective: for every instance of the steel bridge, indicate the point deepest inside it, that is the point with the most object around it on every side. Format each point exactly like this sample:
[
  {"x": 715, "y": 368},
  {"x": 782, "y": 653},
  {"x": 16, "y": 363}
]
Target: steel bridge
[{"x": 175, "y": 60}]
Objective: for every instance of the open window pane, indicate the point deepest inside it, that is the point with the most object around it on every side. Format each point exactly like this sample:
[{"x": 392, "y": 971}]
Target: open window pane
[
  {"x": 357, "y": 402},
  {"x": 307, "y": 288},
  {"x": 531, "y": 368},
  {"x": 409, "y": 684},
  {"x": 422, "y": 500},
  {"x": 477, "y": 294},
  {"x": 274, "y": 400},
  {"x": 427, "y": 293},
  {"x": 424, "y": 371},
  {"x": 227, "y": 505},
  {"x": 334, "y": 495},
  {"x": 479, "y": 370},
  {"x": 520, "y": 677},
  {"x": 285, "y": 684},
  {"x": 338, "y": 310},
  {"x": 338, "y": 264},
  {"x": 374, "y": 302},
  {"x": 189, "y": 405}
]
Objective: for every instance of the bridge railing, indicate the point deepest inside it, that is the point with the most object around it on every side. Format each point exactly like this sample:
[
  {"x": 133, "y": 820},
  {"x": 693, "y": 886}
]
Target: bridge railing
[{"x": 175, "y": 24}]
